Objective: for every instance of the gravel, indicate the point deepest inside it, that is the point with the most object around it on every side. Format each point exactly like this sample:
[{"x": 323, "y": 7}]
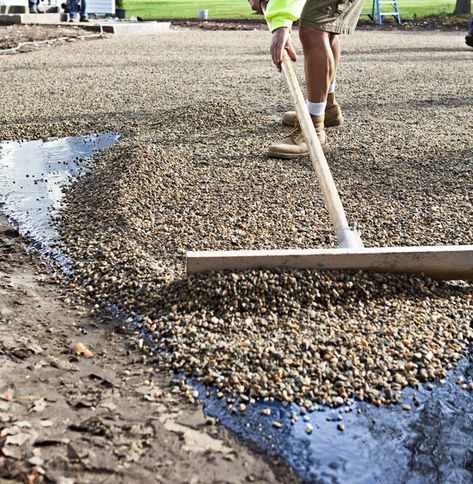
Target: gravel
[{"x": 196, "y": 111}]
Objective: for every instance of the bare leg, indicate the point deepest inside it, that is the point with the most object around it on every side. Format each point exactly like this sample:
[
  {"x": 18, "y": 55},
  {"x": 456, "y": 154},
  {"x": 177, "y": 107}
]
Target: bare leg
[
  {"x": 335, "y": 45},
  {"x": 319, "y": 62}
]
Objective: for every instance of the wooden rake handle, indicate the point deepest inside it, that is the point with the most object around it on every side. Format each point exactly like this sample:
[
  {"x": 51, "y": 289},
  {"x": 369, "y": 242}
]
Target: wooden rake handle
[
  {"x": 317, "y": 156},
  {"x": 330, "y": 194}
]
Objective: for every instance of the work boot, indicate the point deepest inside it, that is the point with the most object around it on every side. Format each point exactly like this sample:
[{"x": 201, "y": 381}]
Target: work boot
[
  {"x": 469, "y": 35},
  {"x": 469, "y": 38},
  {"x": 333, "y": 114},
  {"x": 294, "y": 145}
]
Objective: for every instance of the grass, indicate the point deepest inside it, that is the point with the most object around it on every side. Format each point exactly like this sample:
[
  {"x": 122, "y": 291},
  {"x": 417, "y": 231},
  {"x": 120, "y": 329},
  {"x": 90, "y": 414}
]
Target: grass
[{"x": 158, "y": 9}]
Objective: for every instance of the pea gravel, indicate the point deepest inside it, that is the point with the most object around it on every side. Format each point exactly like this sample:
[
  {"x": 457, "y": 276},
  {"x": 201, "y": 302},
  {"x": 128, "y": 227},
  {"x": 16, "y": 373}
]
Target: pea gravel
[{"x": 196, "y": 111}]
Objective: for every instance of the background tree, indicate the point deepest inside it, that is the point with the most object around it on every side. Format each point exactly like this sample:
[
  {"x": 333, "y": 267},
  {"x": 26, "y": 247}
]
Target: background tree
[{"x": 462, "y": 7}]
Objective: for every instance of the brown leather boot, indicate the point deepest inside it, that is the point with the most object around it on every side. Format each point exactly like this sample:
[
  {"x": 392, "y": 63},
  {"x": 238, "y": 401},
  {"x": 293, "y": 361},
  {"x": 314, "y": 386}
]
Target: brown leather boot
[
  {"x": 294, "y": 145},
  {"x": 333, "y": 114}
]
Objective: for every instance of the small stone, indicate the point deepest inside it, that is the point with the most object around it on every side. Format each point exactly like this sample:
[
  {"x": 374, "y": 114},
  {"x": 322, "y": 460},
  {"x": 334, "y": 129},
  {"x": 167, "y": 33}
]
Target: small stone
[
  {"x": 341, "y": 427},
  {"x": 406, "y": 407},
  {"x": 36, "y": 461},
  {"x": 81, "y": 350},
  {"x": 242, "y": 407},
  {"x": 309, "y": 428},
  {"x": 276, "y": 424},
  {"x": 266, "y": 412}
]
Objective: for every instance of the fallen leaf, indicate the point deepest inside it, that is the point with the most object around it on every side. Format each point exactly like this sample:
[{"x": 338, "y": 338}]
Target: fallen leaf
[
  {"x": 23, "y": 423},
  {"x": 36, "y": 461},
  {"x": 38, "y": 406},
  {"x": 195, "y": 441},
  {"x": 8, "y": 394},
  {"x": 18, "y": 439},
  {"x": 72, "y": 453},
  {"x": 80, "y": 350},
  {"x": 12, "y": 452},
  {"x": 9, "y": 431},
  {"x": 108, "y": 405},
  {"x": 65, "y": 480},
  {"x": 35, "y": 348}
]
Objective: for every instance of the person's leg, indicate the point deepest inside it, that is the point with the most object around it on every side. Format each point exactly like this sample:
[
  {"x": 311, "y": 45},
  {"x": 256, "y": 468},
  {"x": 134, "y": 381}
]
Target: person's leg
[
  {"x": 72, "y": 9},
  {"x": 319, "y": 63},
  {"x": 33, "y": 6},
  {"x": 83, "y": 11},
  {"x": 469, "y": 35},
  {"x": 333, "y": 114},
  {"x": 319, "y": 66},
  {"x": 335, "y": 46}
]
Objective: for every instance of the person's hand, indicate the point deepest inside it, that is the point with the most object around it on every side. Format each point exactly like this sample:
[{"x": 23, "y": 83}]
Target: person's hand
[
  {"x": 256, "y": 5},
  {"x": 281, "y": 40}
]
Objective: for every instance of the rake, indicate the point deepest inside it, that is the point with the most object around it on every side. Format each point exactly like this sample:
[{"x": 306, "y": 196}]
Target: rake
[{"x": 439, "y": 262}]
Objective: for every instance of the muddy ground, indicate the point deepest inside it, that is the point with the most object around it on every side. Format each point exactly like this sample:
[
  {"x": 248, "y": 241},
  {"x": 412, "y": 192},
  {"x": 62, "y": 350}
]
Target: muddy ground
[{"x": 109, "y": 418}]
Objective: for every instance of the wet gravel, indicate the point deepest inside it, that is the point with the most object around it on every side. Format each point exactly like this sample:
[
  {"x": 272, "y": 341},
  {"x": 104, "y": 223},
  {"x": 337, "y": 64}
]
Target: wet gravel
[{"x": 196, "y": 111}]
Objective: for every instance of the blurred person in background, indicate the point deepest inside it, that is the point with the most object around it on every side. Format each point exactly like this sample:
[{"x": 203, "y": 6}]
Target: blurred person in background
[
  {"x": 74, "y": 8},
  {"x": 469, "y": 35},
  {"x": 33, "y": 6}
]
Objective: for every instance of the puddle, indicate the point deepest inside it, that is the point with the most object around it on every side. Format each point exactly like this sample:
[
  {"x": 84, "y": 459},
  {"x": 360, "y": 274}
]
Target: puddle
[
  {"x": 430, "y": 443},
  {"x": 33, "y": 175}
]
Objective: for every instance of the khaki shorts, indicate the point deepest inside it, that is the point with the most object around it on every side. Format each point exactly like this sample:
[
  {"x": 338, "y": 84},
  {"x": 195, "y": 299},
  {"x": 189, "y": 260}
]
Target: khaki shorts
[{"x": 336, "y": 16}]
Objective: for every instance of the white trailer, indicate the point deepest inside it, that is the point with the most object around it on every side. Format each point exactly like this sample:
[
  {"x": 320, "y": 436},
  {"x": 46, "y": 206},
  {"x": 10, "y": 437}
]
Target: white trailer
[{"x": 101, "y": 7}]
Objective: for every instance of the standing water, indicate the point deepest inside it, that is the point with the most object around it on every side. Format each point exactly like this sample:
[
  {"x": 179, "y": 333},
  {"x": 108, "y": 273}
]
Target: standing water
[{"x": 33, "y": 175}]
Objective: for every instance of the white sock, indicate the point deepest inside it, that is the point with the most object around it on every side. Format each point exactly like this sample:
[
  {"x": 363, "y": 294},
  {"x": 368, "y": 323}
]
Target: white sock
[
  {"x": 316, "y": 109},
  {"x": 331, "y": 88}
]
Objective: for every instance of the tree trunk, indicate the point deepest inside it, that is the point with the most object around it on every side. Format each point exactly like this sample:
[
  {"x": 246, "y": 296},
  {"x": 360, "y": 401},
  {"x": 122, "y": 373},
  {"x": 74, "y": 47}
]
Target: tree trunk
[{"x": 462, "y": 7}]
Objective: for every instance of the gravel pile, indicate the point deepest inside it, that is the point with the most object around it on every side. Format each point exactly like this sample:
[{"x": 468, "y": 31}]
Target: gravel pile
[{"x": 190, "y": 173}]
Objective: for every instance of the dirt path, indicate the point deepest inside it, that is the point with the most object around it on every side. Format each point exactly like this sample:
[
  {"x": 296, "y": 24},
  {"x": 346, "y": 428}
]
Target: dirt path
[{"x": 64, "y": 418}]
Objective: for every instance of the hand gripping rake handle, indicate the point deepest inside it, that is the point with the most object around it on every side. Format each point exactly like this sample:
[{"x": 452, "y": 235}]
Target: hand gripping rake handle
[{"x": 347, "y": 237}]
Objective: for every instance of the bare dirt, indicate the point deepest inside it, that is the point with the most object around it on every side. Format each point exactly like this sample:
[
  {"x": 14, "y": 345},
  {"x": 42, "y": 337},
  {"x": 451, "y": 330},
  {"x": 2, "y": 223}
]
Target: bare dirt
[
  {"x": 32, "y": 37},
  {"x": 109, "y": 418}
]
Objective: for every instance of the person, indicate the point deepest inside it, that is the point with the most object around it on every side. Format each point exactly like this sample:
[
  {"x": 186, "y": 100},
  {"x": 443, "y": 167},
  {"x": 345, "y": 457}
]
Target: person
[
  {"x": 321, "y": 22},
  {"x": 469, "y": 35},
  {"x": 33, "y": 6},
  {"x": 73, "y": 8}
]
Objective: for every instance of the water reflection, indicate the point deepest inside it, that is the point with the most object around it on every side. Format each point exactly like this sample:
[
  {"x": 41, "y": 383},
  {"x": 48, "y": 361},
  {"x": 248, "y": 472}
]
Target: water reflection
[
  {"x": 431, "y": 443},
  {"x": 33, "y": 175}
]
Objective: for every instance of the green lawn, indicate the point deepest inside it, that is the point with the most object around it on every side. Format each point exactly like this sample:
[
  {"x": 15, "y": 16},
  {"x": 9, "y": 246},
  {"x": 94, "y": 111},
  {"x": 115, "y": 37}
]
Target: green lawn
[{"x": 158, "y": 9}]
